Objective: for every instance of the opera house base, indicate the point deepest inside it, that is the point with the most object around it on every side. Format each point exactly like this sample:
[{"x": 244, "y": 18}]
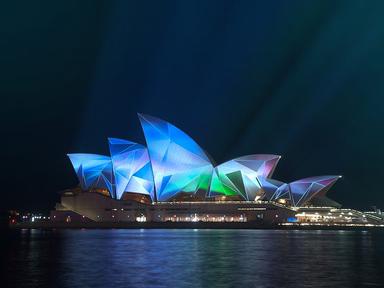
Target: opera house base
[
  {"x": 94, "y": 210},
  {"x": 88, "y": 207}
]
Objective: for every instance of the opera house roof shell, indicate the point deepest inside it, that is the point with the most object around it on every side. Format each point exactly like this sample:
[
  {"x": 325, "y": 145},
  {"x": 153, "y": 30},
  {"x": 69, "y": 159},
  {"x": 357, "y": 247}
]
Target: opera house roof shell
[{"x": 173, "y": 164}]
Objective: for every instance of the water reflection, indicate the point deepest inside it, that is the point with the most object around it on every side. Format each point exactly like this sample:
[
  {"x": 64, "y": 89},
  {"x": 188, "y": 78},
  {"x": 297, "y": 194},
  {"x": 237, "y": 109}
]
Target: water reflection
[{"x": 192, "y": 258}]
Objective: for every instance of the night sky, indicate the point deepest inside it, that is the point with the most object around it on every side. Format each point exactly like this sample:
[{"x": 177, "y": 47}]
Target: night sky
[{"x": 302, "y": 79}]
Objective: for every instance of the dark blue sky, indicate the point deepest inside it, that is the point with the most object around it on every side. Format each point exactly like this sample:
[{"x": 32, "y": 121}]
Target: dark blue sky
[{"x": 303, "y": 79}]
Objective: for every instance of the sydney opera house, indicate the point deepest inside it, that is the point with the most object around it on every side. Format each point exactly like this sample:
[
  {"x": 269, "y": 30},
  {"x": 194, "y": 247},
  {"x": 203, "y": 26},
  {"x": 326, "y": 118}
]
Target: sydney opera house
[{"x": 172, "y": 179}]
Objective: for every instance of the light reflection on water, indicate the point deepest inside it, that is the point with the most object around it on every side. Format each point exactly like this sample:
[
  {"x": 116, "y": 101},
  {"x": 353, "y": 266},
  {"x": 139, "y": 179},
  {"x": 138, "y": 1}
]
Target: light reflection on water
[{"x": 192, "y": 258}]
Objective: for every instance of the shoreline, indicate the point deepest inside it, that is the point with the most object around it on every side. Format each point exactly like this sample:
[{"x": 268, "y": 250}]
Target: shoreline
[{"x": 191, "y": 225}]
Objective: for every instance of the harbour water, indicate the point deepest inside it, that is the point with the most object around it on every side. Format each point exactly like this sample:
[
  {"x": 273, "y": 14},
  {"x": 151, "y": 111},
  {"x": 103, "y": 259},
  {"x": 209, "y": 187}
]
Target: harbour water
[{"x": 191, "y": 258}]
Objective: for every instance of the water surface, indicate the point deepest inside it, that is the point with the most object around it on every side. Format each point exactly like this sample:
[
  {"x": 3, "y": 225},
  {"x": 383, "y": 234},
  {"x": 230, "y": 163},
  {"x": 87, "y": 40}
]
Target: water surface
[{"x": 192, "y": 258}]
